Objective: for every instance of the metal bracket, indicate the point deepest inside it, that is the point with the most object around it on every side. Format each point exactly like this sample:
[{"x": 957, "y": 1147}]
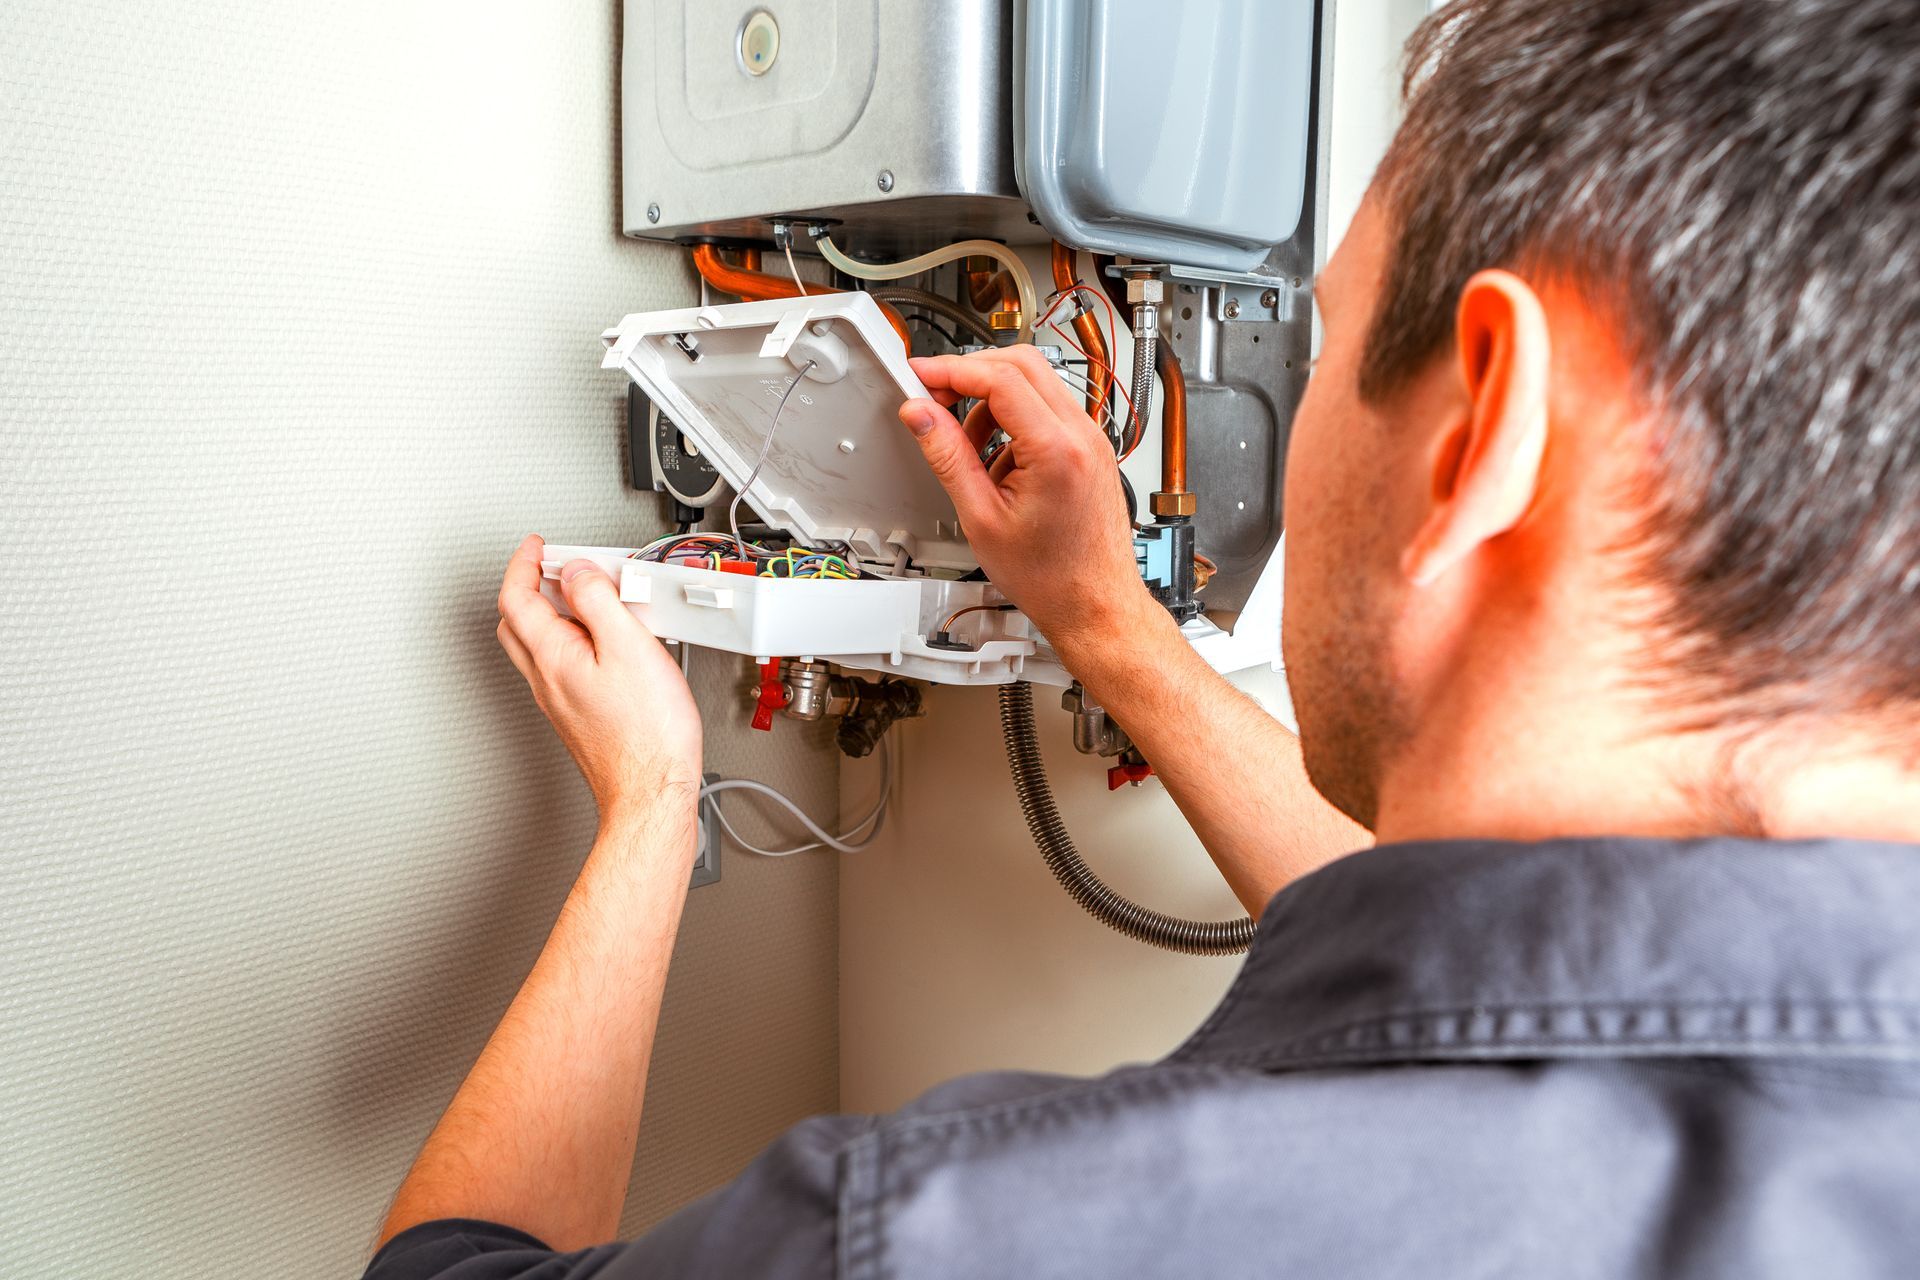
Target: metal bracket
[
  {"x": 1237, "y": 297},
  {"x": 706, "y": 867}
]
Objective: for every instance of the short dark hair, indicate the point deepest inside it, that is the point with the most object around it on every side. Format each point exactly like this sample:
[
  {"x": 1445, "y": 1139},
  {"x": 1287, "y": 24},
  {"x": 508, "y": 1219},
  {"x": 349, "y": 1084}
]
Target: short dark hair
[{"x": 1737, "y": 184}]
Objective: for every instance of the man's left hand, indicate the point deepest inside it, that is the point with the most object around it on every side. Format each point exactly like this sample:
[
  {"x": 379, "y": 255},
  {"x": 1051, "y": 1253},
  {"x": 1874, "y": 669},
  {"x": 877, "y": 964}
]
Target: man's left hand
[{"x": 613, "y": 692}]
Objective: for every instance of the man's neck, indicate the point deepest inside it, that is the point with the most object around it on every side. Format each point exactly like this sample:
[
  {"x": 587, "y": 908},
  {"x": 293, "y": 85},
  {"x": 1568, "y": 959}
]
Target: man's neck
[{"x": 1579, "y": 767}]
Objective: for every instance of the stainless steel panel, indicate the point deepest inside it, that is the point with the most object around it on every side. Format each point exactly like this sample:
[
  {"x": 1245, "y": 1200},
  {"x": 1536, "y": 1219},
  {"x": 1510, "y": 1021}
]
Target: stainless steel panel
[{"x": 894, "y": 117}]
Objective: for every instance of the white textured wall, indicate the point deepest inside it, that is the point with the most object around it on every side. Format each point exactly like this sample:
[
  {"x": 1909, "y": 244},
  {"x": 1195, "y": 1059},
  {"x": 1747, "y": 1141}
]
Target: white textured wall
[
  {"x": 298, "y": 320},
  {"x": 958, "y": 951}
]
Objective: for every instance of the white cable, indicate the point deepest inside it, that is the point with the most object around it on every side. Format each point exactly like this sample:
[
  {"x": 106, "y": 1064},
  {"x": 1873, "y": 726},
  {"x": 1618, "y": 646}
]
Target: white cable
[
  {"x": 798, "y": 283},
  {"x": 733, "y": 508},
  {"x": 845, "y": 842},
  {"x": 1022, "y": 278}
]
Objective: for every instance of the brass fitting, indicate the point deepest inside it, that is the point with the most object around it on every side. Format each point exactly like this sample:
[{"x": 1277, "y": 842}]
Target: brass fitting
[{"x": 1166, "y": 505}]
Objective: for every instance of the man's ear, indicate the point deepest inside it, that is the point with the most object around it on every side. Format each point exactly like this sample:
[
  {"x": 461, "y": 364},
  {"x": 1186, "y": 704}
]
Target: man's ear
[{"x": 1486, "y": 472}]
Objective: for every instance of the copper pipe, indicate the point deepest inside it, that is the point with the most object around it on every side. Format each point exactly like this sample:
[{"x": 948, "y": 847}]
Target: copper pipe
[
  {"x": 750, "y": 258},
  {"x": 1116, "y": 291},
  {"x": 1101, "y": 375},
  {"x": 1173, "y": 421},
  {"x": 753, "y": 286},
  {"x": 992, "y": 290}
]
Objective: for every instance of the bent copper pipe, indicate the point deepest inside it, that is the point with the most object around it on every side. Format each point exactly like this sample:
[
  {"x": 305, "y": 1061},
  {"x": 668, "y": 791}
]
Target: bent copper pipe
[
  {"x": 1090, "y": 336},
  {"x": 754, "y": 286}
]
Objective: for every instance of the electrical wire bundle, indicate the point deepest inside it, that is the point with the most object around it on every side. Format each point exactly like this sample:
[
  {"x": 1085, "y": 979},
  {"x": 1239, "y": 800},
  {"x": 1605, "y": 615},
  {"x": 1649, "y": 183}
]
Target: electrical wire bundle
[
  {"x": 803, "y": 562},
  {"x": 716, "y": 550},
  {"x": 703, "y": 550}
]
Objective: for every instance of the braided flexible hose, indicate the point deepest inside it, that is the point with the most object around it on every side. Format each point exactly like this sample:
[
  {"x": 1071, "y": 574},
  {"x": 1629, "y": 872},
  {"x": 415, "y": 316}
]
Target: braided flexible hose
[
  {"x": 1193, "y": 937},
  {"x": 1146, "y": 343}
]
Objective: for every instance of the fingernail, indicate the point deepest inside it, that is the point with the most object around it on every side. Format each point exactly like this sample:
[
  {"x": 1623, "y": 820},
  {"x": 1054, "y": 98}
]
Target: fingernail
[
  {"x": 574, "y": 568},
  {"x": 918, "y": 420}
]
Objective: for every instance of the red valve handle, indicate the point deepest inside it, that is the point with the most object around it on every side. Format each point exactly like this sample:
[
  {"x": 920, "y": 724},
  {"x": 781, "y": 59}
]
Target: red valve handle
[{"x": 773, "y": 695}]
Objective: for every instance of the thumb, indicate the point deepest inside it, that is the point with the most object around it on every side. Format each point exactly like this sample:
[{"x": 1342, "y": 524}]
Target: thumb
[
  {"x": 595, "y": 601},
  {"x": 951, "y": 457}
]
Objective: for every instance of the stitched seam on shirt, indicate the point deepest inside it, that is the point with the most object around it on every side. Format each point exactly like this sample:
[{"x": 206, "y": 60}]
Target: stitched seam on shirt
[
  {"x": 1059, "y": 1103},
  {"x": 1314, "y": 1046},
  {"x": 860, "y": 1245},
  {"x": 1560, "y": 1049}
]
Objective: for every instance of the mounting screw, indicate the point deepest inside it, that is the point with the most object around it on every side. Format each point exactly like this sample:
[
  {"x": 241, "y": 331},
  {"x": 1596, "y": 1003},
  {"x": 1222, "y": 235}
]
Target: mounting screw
[
  {"x": 886, "y": 179},
  {"x": 653, "y": 213},
  {"x": 1231, "y": 310},
  {"x": 1271, "y": 298}
]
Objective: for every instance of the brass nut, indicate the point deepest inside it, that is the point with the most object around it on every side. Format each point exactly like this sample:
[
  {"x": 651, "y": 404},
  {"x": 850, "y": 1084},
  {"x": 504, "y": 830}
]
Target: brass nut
[
  {"x": 1163, "y": 503},
  {"x": 1003, "y": 321}
]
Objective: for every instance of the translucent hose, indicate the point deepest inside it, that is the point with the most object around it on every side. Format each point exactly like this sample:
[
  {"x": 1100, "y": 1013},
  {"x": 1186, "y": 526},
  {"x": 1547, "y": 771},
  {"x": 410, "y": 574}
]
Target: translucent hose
[
  {"x": 1194, "y": 937},
  {"x": 1022, "y": 278}
]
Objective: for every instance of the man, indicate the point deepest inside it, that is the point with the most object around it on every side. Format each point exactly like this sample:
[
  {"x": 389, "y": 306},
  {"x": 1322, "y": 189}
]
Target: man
[{"x": 1602, "y": 574}]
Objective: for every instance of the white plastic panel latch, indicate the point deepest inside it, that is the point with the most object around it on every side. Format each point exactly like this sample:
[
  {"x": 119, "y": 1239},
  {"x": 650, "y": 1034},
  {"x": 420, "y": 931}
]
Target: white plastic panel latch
[
  {"x": 708, "y": 597},
  {"x": 780, "y": 338}
]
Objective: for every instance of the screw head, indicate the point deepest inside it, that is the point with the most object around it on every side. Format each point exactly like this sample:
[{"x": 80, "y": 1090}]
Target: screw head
[
  {"x": 886, "y": 180},
  {"x": 1271, "y": 298},
  {"x": 653, "y": 213},
  {"x": 1232, "y": 309}
]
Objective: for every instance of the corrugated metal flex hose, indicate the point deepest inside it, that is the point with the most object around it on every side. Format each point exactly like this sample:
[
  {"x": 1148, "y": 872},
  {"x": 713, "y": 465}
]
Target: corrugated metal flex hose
[{"x": 1194, "y": 937}]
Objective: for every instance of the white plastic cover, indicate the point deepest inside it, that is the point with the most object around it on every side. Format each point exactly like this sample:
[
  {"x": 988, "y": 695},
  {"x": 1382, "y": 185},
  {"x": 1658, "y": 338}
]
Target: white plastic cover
[{"x": 841, "y": 467}]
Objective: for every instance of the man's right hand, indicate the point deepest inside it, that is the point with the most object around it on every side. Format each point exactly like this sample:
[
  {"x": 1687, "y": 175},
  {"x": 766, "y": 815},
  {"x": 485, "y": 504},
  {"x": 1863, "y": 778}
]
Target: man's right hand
[
  {"x": 1049, "y": 525},
  {"x": 1047, "y": 521}
]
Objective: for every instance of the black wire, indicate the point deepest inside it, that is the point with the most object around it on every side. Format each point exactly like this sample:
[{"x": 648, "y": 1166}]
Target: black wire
[{"x": 952, "y": 339}]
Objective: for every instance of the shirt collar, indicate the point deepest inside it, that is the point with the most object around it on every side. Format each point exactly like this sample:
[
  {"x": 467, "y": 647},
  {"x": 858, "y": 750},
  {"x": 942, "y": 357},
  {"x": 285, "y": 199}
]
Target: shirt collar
[{"x": 1609, "y": 947}]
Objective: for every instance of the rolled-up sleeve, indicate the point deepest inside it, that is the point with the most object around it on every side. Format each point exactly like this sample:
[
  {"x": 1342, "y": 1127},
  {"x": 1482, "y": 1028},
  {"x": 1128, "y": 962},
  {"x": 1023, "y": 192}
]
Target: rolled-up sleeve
[
  {"x": 465, "y": 1249},
  {"x": 777, "y": 1219}
]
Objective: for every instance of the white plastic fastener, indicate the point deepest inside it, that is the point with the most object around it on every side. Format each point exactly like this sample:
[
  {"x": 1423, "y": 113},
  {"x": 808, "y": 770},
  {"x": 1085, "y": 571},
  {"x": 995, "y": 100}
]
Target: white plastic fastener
[{"x": 707, "y": 597}]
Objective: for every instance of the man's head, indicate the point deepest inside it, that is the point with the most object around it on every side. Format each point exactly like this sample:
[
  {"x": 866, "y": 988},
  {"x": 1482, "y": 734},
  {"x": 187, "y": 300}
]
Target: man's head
[{"x": 1618, "y": 404}]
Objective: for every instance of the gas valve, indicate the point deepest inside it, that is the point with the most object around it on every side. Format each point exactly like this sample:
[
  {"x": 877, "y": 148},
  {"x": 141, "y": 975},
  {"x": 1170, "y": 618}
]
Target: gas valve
[{"x": 866, "y": 708}]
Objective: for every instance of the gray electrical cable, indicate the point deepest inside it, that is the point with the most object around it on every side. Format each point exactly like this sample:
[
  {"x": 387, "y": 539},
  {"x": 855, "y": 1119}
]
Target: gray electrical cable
[
  {"x": 845, "y": 842},
  {"x": 1193, "y": 937},
  {"x": 939, "y": 306},
  {"x": 733, "y": 508}
]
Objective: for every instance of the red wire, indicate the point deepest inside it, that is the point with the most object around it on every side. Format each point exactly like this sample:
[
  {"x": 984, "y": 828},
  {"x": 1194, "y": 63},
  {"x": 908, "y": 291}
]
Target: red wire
[{"x": 1133, "y": 415}]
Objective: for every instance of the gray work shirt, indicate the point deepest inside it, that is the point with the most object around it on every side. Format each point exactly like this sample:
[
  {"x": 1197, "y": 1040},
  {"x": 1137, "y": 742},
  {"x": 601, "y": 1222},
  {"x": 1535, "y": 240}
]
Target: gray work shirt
[{"x": 1601, "y": 1057}]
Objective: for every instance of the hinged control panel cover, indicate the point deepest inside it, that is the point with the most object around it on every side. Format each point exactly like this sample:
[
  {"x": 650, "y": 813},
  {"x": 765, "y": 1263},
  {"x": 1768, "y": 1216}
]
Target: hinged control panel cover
[{"x": 840, "y": 467}]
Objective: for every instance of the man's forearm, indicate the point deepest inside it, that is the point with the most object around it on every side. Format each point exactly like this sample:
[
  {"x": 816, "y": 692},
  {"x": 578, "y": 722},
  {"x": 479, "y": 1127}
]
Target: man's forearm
[
  {"x": 541, "y": 1135},
  {"x": 1234, "y": 770}
]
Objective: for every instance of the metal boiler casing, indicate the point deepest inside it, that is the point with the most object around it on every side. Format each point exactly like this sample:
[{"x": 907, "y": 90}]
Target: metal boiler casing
[{"x": 893, "y": 117}]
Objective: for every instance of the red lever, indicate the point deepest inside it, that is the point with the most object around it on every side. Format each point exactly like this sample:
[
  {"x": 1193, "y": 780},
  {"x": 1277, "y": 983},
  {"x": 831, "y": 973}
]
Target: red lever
[
  {"x": 773, "y": 695},
  {"x": 1121, "y": 774}
]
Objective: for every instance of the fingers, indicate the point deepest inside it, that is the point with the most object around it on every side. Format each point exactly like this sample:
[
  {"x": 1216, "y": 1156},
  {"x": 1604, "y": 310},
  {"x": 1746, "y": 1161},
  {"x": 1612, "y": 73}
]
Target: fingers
[
  {"x": 954, "y": 460},
  {"x": 980, "y": 426},
  {"x": 595, "y": 601},
  {"x": 1002, "y": 465},
  {"x": 531, "y": 616},
  {"x": 1027, "y": 397}
]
